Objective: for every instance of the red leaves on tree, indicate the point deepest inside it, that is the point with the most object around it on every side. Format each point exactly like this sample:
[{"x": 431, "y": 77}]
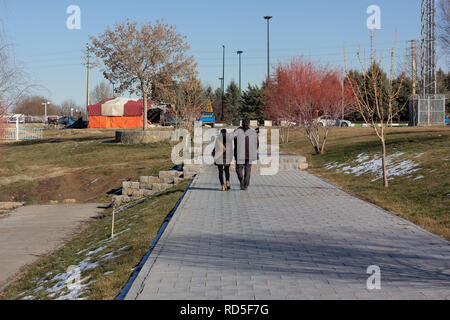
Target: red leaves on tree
[{"x": 301, "y": 91}]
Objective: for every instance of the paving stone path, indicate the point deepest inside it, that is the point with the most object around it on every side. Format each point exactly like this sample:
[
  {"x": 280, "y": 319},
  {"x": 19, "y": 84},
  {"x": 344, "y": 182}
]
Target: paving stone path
[{"x": 290, "y": 236}]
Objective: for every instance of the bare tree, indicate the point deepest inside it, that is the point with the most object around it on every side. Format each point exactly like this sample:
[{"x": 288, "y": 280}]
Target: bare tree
[
  {"x": 191, "y": 100},
  {"x": 12, "y": 79},
  {"x": 32, "y": 106},
  {"x": 375, "y": 97},
  {"x": 137, "y": 56},
  {"x": 68, "y": 106},
  {"x": 101, "y": 92}
]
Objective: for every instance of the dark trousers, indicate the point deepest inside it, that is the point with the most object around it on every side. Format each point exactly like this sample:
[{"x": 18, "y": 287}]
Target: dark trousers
[
  {"x": 223, "y": 168},
  {"x": 244, "y": 179}
]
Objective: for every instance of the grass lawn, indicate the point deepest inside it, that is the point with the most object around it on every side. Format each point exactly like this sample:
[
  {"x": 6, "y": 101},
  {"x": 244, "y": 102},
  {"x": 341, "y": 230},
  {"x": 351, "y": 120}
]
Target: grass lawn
[
  {"x": 106, "y": 264},
  {"x": 74, "y": 164},
  {"x": 420, "y": 170}
]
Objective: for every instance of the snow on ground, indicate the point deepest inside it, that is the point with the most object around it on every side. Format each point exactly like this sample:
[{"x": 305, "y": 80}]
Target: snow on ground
[
  {"x": 69, "y": 285},
  {"x": 397, "y": 165}
]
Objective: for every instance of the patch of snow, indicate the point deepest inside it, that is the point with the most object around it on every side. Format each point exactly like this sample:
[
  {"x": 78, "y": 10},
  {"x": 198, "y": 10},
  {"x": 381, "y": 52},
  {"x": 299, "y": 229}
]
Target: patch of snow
[
  {"x": 90, "y": 253},
  {"x": 126, "y": 230},
  {"x": 38, "y": 289},
  {"x": 108, "y": 272},
  {"x": 419, "y": 177},
  {"x": 418, "y": 155},
  {"x": 367, "y": 164},
  {"x": 82, "y": 251},
  {"x": 65, "y": 279},
  {"x": 77, "y": 291},
  {"x": 27, "y": 298},
  {"x": 109, "y": 256}
]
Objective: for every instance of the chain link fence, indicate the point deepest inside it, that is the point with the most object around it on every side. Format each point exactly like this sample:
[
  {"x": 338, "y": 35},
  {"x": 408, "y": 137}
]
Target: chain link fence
[{"x": 428, "y": 110}]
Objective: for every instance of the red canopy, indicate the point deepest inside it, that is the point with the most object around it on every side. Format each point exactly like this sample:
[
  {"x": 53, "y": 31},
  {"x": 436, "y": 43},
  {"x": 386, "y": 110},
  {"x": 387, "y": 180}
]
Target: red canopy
[{"x": 131, "y": 108}]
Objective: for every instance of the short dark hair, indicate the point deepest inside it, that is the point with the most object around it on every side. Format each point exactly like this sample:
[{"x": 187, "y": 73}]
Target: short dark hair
[
  {"x": 245, "y": 122},
  {"x": 223, "y": 131}
]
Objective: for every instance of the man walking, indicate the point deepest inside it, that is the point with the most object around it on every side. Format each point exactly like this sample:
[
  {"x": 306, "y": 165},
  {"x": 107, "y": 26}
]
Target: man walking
[{"x": 245, "y": 152}]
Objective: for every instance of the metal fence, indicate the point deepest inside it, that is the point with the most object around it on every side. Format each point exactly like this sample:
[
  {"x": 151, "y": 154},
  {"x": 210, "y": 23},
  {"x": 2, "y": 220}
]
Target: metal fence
[
  {"x": 19, "y": 134},
  {"x": 427, "y": 110}
]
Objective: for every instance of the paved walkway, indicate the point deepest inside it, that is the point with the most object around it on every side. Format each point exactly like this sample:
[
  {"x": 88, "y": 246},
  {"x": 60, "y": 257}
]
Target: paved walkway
[
  {"x": 32, "y": 231},
  {"x": 291, "y": 236}
]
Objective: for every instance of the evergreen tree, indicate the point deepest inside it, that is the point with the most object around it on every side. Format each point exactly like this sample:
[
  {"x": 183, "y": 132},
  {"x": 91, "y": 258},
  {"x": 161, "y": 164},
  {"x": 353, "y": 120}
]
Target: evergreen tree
[
  {"x": 376, "y": 72},
  {"x": 252, "y": 103},
  {"x": 404, "y": 96},
  {"x": 216, "y": 101},
  {"x": 233, "y": 102}
]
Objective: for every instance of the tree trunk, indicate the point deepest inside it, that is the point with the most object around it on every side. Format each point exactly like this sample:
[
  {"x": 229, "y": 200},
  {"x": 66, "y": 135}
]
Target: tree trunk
[
  {"x": 383, "y": 156},
  {"x": 144, "y": 112}
]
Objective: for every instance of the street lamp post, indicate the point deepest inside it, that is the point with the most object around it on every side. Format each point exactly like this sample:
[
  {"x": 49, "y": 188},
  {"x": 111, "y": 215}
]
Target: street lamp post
[
  {"x": 268, "y": 46},
  {"x": 45, "y": 112},
  {"x": 223, "y": 84},
  {"x": 240, "y": 53}
]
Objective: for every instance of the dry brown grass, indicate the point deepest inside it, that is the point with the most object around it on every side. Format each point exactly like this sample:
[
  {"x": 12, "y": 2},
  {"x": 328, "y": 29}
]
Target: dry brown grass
[{"x": 76, "y": 164}]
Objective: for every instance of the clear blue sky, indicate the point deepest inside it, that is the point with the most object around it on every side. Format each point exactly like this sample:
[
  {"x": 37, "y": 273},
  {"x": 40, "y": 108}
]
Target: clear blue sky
[{"x": 52, "y": 54}]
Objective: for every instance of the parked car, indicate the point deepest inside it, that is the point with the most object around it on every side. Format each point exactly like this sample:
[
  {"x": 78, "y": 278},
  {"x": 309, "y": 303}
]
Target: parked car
[
  {"x": 53, "y": 120},
  {"x": 14, "y": 118},
  {"x": 329, "y": 122},
  {"x": 67, "y": 120}
]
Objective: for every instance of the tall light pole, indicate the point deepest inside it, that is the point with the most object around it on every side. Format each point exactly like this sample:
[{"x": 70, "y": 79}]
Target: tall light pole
[
  {"x": 268, "y": 45},
  {"x": 223, "y": 84},
  {"x": 88, "y": 66},
  {"x": 240, "y": 52},
  {"x": 45, "y": 112}
]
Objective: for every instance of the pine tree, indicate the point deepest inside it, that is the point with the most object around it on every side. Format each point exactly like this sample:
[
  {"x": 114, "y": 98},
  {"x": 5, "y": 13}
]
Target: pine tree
[
  {"x": 233, "y": 102},
  {"x": 253, "y": 101}
]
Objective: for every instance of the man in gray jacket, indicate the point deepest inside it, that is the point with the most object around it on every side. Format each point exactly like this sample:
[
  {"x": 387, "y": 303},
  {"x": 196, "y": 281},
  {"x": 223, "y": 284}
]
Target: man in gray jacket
[{"x": 245, "y": 152}]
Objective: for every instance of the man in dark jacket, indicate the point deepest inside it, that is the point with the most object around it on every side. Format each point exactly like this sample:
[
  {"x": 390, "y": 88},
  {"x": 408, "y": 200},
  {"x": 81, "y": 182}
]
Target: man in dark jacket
[{"x": 245, "y": 152}]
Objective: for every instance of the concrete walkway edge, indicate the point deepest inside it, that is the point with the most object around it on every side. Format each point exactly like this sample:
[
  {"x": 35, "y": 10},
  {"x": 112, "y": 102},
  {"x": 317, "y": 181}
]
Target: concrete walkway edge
[{"x": 139, "y": 281}]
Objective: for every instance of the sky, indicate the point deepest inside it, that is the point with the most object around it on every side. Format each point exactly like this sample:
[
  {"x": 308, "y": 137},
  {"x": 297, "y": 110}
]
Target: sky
[{"x": 52, "y": 55}]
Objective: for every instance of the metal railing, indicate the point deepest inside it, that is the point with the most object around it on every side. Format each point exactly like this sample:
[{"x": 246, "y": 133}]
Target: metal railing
[{"x": 19, "y": 134}]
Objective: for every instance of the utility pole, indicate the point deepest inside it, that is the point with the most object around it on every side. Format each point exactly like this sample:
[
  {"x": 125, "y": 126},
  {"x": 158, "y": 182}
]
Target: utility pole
[
  {"x": 413, "y": 66},
  {"x": 240, "y": 53},
  {"x": 268, "y": 46},
  {"x": 223, "y": 84},
  {"x": 88, "y": 66}
]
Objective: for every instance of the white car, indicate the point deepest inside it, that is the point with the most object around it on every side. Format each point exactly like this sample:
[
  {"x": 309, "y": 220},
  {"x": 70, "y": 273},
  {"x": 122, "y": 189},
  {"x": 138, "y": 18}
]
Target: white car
[
  {"x": 328, "y": 122},
  {"x": 14, "y": 118}
]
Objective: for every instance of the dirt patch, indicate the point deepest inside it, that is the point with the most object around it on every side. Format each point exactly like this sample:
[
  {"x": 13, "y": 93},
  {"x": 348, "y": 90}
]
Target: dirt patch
[
  {"x": 78, "y": 184},
  {"x": 33, "y": 176}
]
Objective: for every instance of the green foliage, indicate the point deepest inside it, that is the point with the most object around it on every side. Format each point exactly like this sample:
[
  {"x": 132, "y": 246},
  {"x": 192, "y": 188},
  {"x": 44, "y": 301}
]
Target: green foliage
[
  {"x": 253, "y": 100},
  {"x": 382, "y": 83},
  {"x": 233, "y": 102}
]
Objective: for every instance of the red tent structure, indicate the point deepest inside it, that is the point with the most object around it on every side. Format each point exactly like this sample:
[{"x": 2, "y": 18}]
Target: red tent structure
[{"x": 118, "y": 113}]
